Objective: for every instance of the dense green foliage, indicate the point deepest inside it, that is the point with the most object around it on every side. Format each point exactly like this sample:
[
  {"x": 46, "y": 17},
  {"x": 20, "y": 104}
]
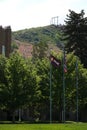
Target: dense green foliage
[
  {"x": 31, "y": 88},
  {"x": 14, "y": 46},
  {"x": 26, "y": 84},
  {"x": 48, "y": 34},
  {"x": 40, "y": 50},
  {"x": 16, "y": 79},
  {"x": 75, "y": 33}
]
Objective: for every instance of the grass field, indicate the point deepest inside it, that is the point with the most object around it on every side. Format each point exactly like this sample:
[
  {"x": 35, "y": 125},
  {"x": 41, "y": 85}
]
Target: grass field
[{"x": 75, "y": 126}]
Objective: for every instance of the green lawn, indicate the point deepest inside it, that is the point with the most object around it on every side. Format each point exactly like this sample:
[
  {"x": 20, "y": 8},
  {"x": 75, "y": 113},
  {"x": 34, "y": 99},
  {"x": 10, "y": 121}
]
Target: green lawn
[{"x": 75, "y": 126}]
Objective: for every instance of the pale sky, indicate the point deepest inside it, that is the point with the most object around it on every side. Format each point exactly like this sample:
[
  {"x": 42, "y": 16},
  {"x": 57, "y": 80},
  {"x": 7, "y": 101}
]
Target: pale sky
[{"x": 22, "y": 14}]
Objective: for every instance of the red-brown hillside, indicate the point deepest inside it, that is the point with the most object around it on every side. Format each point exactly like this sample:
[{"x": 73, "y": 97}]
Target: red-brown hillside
[{"x": 25, "y": 49}]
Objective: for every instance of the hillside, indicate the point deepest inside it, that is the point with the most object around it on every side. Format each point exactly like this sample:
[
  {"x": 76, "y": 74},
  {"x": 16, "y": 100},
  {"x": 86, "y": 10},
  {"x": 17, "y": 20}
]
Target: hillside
[
  {"x": 28, "y": 37},
  {"x": 49, "y": 34},
  {"x": 24, "y": 48}
]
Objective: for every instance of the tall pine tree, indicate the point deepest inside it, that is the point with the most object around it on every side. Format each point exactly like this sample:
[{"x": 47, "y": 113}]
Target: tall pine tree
[{"x": 75, "y": 33}]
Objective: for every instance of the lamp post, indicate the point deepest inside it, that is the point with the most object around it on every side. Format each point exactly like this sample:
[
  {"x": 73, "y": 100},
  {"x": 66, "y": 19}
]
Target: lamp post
[
  {"x": 78, "y": 24},
  {"x": 77, "y": 90},
  {"x": 63, "y": 95},
  {"x": 63, "y": 87}
]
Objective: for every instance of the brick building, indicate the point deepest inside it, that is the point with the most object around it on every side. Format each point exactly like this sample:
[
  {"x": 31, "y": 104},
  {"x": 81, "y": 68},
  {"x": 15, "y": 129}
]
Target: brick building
[{"x": 5, "y": 40}]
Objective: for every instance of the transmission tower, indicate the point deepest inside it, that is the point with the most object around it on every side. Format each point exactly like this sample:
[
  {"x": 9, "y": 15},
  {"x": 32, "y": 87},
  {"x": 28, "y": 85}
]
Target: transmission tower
[{"x": 54, "y": 21}]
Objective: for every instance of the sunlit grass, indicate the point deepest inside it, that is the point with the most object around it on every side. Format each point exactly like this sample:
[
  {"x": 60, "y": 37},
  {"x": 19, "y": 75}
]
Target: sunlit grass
[{"x": 74, "y": 126}]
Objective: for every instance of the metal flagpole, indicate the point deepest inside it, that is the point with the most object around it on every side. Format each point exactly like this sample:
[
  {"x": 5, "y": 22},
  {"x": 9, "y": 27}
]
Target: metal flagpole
[
  {"x": 77, "y": 90},
  {"x": 63, "y": 87},
  {"x": 50, "y": 93},
  {"x": 55, "y": 62}
]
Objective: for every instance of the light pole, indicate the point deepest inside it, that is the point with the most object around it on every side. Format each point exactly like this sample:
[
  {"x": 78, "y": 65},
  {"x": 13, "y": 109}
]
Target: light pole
[
  {"x": 77, "y": 76},
  {"x": 63, "y": 86},
  {"x": 77, "y": 90},
  {"x": 63, "y": 95}
]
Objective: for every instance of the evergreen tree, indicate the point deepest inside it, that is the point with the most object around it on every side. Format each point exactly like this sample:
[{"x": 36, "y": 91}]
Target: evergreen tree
[{"x": 75, "y": 32}]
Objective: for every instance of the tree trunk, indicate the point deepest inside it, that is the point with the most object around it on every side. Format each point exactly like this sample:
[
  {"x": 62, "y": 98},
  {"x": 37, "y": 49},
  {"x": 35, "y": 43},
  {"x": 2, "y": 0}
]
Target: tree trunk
[
  {"x": 19, "y": 115},
  {"x": 13, "y": 117}
]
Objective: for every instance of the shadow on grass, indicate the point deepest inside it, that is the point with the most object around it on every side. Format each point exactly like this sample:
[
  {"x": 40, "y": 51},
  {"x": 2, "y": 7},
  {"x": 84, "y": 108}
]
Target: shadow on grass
[{"x": 39, "y": 122}]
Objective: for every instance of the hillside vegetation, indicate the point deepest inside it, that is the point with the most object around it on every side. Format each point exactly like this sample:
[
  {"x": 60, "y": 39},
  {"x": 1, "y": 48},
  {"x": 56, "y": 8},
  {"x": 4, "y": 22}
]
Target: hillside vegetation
[
  {"x": 48, "y": 34},
  {"x": 23, "y": 40}
]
